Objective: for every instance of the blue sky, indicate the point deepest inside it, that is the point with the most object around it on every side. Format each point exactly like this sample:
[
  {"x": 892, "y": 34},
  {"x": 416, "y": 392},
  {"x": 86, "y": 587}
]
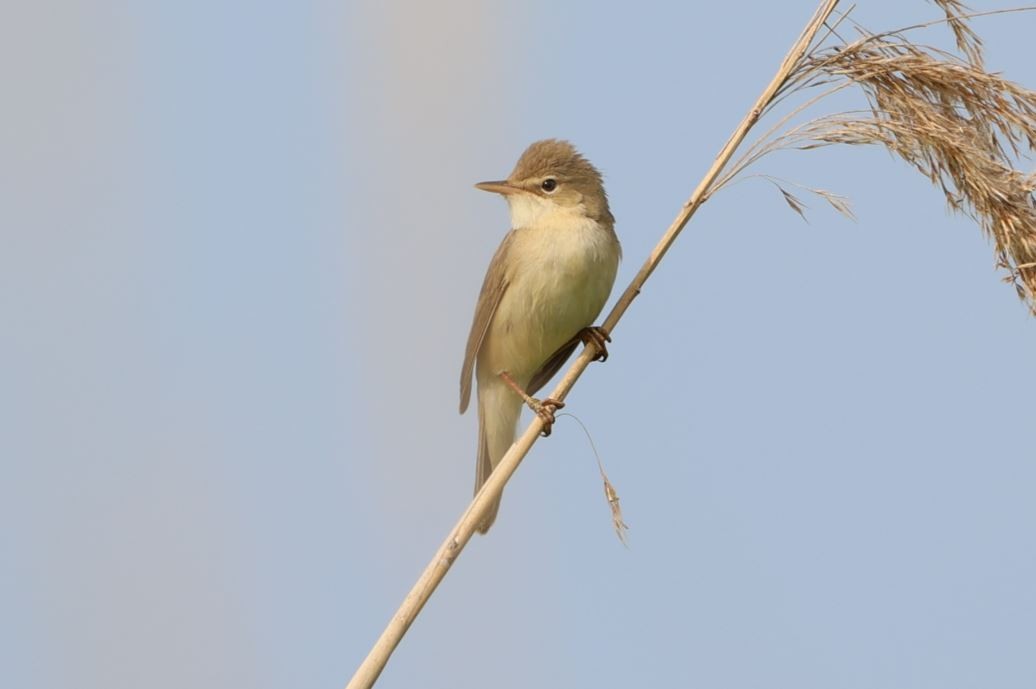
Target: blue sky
[{"x": 241, "y": 251}]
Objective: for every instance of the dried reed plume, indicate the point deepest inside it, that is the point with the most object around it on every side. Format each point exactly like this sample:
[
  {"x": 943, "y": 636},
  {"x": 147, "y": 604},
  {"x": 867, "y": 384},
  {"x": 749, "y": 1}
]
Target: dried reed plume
[{"x": 959, "y": 125}]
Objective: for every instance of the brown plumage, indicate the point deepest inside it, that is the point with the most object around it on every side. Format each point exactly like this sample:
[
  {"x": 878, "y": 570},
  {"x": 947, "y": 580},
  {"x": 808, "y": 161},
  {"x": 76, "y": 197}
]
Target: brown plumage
[{"x": 547, "y": 281}]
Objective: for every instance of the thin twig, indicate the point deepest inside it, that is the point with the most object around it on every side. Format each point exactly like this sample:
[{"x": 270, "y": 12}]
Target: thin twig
[
  {"x": 610, "y": 494},
  {"x": 451, "y": 548}
]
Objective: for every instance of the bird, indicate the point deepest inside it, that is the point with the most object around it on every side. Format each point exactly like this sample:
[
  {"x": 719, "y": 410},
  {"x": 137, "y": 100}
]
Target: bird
[{"x": 544, "y": 287}]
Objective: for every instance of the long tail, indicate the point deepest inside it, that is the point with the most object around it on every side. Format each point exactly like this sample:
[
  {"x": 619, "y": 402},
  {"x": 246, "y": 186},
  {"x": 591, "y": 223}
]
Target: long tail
[{"x": 498, "y": 412}]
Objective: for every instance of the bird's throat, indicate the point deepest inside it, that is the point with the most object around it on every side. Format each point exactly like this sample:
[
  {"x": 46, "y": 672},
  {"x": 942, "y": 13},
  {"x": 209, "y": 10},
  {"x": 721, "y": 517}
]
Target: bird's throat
[{"x": 530, "y": 210}]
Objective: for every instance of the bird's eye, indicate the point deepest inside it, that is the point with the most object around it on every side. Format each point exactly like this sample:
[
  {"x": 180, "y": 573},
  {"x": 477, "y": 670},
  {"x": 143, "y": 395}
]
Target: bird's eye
[{"x": 549, "y": 185}]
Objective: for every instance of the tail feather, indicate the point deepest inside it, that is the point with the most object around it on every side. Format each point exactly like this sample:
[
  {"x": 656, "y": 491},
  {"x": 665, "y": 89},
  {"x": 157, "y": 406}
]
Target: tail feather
[
  {"x": 498, "y": 412},
  {"x": 483, "y": 468}
]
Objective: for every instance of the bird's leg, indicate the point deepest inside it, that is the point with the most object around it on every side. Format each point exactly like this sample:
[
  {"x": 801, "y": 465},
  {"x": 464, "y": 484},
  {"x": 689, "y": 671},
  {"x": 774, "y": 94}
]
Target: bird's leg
[
  {"x": 544, "y": 408},
  {"x": 598, "y": 335}
]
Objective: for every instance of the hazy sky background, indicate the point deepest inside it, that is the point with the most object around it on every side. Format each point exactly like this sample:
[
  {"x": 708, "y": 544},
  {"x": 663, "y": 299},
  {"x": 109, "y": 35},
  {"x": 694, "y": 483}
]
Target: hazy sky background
[{"x": 240, "y": 254}]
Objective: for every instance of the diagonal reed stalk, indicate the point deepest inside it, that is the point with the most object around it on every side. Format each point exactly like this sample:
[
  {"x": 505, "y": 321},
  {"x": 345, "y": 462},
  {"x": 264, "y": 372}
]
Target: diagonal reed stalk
[
  {"x": 459, "y": 536},
  {"x": 950, "y": 119}
]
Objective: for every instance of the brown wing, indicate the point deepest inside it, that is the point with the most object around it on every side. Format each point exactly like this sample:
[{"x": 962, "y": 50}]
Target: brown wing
[
  {"x": 493, "y": 287},
  {"x": 551, "y": 366}
]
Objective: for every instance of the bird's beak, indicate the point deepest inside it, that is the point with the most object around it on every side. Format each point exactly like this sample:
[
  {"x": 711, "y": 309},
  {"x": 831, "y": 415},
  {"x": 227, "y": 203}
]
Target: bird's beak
[{"x": 502, "y": 187}]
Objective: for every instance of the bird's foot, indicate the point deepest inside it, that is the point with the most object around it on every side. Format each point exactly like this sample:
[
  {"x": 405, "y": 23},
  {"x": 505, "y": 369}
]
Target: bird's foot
[
  {"x": 598, "y": 335},
  {"x": 543, "y": 408}
]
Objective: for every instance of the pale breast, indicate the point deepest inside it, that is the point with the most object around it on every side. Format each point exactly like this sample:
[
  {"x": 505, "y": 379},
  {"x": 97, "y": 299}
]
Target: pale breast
[{"x": 559, "y": 277}]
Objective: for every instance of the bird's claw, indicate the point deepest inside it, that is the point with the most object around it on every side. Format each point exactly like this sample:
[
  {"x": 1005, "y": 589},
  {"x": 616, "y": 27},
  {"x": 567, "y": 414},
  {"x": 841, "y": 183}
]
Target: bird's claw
[
  {"x": 598, "y": 335},
  {"x": 545, "y": 410}
]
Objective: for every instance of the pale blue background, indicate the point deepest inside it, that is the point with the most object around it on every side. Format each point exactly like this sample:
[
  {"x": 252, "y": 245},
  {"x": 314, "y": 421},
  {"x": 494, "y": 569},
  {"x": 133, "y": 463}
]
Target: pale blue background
[{"x": 240, "y": 251}]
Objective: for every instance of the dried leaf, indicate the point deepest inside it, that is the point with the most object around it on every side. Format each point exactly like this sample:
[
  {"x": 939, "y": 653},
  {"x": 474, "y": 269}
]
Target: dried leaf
[
  {"x": 794, "y": 202},
  {"x": 839, "y": 203},
  {"x": 610, "y": 494},
  {"x": 613, "y": 501},
  {"x": 968, "y": 42}
]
